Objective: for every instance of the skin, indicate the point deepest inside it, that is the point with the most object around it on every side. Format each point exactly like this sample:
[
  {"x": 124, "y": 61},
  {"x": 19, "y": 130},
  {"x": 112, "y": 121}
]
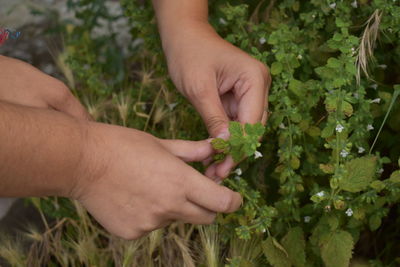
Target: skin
[
  {"x": 51, "y": 148},
  {"x": 222, "y": 82}
]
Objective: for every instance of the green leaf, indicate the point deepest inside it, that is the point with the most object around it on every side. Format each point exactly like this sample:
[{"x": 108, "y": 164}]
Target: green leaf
[
  {"x": 377, "y": 185},
  {"x": 328, "y": 130},
  {"x": 237, "y": 153},
  {"x": 275, "y": 256},
  {"x": 219, "y": 157},
  {"x": 347, "y": 108},
  {"x": 374, "y": 222},
  {"x": 336, "y": 249},
  {"x": 235, "y": 128},
  {"x": 395, "y": 177},
  {"x": 276, "y": 68},
  {"x": 219, "y": 144},
  {"x": 295, "y": 244},
  {"x": 296, "y": 87},
  {"x": 359, "y": 174},
  {"x": 255, "y": 130}
]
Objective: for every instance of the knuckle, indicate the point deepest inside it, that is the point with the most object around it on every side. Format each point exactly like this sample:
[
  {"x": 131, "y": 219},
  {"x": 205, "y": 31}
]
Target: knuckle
[
  {"x": 214, "y": 122},
  {"x": 62, "y": 92}
]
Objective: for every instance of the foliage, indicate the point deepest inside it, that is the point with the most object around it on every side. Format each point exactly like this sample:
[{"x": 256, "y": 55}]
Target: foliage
[
  {"x": 327, "y": 189},
  {"x": 243, "y": 141}
]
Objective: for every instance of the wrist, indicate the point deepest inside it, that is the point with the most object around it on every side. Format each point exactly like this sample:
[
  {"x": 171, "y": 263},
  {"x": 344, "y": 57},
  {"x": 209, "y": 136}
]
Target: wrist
[
  {"x": 179, "y": 36},
  {"x": 91, "y": 163}
]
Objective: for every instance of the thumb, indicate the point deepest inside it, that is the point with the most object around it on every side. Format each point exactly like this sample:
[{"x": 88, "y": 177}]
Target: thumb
[
  {"x": 188, "y": 151},
  {"x": 208, "y": 103}
]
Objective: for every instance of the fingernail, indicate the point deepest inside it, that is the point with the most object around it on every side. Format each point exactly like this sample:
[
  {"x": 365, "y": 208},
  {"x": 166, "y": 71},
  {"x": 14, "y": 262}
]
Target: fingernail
[{"x": 224, "y": 134}]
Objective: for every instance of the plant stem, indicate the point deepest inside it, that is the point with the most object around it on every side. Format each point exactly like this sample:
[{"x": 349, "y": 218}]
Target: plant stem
[{"x": 395, "y": 95}]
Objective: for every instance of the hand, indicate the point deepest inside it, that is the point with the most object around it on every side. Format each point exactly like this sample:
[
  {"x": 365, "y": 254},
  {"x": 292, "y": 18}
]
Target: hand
[
  {"x": 221, "y": 81},
  {"x": 137, "y": 183},
  {"x": 25, "y": 85}
]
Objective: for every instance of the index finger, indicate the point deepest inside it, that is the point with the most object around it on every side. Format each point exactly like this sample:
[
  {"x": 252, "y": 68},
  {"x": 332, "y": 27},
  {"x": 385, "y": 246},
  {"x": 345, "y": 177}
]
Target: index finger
[{"x": 252, "y": 94}]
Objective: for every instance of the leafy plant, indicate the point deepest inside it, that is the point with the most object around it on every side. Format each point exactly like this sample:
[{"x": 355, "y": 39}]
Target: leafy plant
[{"x": 243, "y": 141}]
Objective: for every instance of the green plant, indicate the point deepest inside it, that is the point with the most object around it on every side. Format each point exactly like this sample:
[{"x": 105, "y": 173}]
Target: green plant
[{"x": 326, "y": 191}]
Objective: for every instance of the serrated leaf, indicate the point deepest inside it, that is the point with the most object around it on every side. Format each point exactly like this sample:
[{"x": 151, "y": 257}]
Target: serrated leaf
[
  {"x": 274, "y": 255},
  {"x": 256, "y": 130},
  {"x": 219, "y": 144},
  {"x": 359, "y": 174},
  {"x": 235, "y": 128},
  {"x": 336, "y": 249},
  {"x": 295, "y": 244}
]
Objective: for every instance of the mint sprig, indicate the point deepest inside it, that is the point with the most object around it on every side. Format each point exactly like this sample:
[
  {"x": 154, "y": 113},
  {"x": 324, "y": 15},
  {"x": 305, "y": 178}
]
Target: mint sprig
[{"x": 243, "y": 141}]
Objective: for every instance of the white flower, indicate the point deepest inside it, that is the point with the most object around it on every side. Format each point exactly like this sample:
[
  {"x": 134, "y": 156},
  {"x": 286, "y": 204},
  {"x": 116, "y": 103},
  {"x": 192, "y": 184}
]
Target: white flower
[
  {"x": 354, "y": 4},
  {"x": 339, "y": 128},
  {"x": 333, "y": 5},
  {"x": 344, "y": 153},
  {"x": 262, "y": 40},
  {"x": 382, "y": 66},
  {"x": 349, "y": 212},
  {"x": 320, "y": 194},
  {"x": 172, "y": 106},
  {"x": 263, "y": 230},
  {"x": 374, "y": 86},
  {"x": 282, "y": 126},
  {"x": 299, "y": 56},
  {"x": 370, "y": 127},
  {"x": 307, "y": 219},
  {"x": 361, "y": 150},
  {"x": 313, "y": 16},
  {"x": 380, "y": 171},
  {"x": 238, "y": 171},
  {"x": 376, "y": 100},
  {"x": 222, "y": 21},
  {"x": 257, "y": 154}
]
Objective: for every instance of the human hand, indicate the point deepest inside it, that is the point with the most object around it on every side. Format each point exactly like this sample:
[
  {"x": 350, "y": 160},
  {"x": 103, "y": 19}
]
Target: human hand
[
  {"x": 25, "y": 85},
  {"x": 138, "y": 183},
  {"x": 221, "y": 81}
]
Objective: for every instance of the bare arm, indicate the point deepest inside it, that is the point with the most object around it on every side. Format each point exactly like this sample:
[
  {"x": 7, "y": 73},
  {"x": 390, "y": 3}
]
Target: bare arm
[
  {"x": 109, "y": 169},
  {"x": 40, "y": 151},
  {"x": 222, "y": 82}
]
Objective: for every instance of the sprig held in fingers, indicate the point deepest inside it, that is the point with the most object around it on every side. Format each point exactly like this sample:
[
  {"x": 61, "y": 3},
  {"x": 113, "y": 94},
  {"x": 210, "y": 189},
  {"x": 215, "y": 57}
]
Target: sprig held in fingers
[{"x": 243, "y": 141}]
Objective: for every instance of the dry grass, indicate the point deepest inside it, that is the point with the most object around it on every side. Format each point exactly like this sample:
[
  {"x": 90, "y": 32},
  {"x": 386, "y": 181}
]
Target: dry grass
[{"x": 367, "y": 44}]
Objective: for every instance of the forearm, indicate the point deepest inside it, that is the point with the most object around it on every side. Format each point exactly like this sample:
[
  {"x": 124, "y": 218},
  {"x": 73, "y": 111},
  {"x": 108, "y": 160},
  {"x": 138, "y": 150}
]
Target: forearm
[
  {"x": 40, "y": 151},
  {"x": 175, "y": 16}
]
